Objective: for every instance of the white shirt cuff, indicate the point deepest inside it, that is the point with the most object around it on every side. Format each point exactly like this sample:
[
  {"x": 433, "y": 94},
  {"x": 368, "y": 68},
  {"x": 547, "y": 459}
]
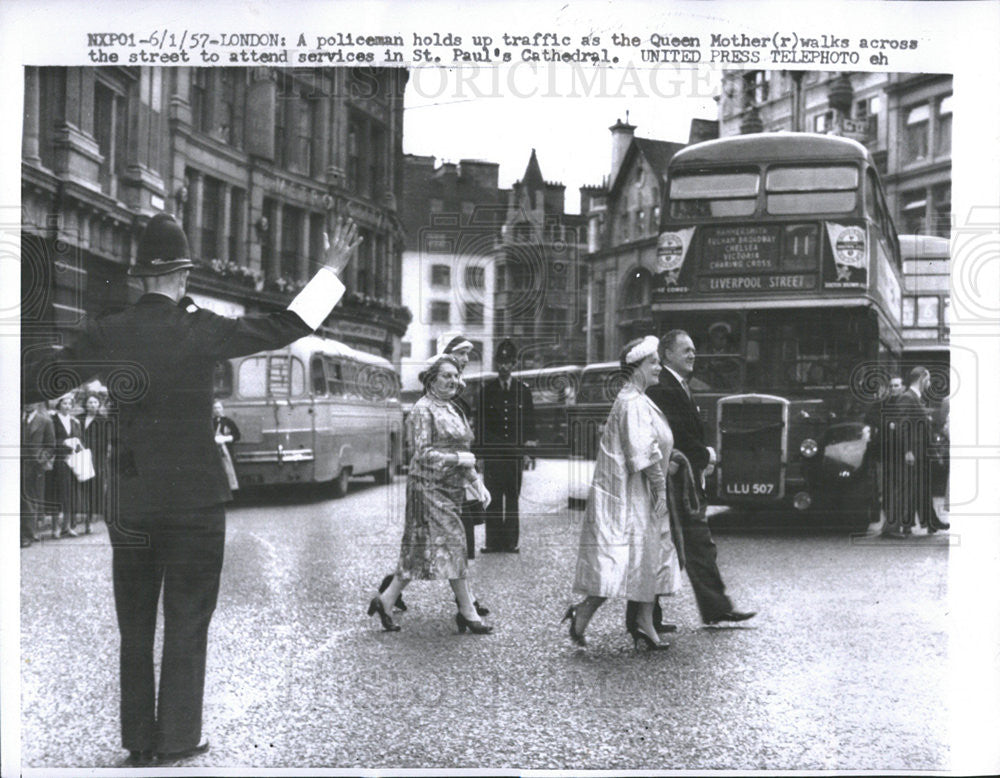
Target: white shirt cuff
[{"x": 314, "y": 303}]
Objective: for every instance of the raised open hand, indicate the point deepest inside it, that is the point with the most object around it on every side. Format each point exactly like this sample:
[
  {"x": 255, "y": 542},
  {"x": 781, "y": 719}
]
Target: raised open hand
[{"x": 337, "y": 252}]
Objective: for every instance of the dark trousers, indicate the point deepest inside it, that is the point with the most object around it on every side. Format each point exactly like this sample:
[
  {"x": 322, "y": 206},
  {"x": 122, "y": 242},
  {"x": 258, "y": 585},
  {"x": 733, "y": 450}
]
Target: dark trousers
[
  {"x": 181, "y": 552},
  {"x": 502, "y": 477},
  {"x": 703, "y": 571},
  {"x": 32, "y": 498}
]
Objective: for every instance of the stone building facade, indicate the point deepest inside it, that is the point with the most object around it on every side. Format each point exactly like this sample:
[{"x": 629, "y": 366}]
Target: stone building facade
[{"x": 254, "y": 161}]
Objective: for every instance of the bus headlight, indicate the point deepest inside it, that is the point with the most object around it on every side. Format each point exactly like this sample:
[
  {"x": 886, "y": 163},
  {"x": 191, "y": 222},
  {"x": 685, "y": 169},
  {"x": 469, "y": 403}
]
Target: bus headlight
[
  {"x": 802, "y": 501},
  {"x": 808, "y": 448}
]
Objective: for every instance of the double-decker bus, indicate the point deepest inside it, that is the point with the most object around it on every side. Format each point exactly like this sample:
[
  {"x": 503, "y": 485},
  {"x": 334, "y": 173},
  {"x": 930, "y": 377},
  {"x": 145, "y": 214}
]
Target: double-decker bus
[
  {"x": 316, "y": 411},
  {"x": 778, "y": 256}
]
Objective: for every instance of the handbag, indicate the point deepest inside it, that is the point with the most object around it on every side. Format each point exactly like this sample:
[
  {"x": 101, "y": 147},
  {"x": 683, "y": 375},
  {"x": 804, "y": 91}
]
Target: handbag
[{"x": 81, "y": 462}]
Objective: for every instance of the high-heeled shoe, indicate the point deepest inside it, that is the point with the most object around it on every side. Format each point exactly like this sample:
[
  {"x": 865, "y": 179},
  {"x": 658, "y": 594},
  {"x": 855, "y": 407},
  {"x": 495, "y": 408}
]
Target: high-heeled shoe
[
  {"x": 398, "y": 604},
  {"x": 638, "y": 636},
  {"x": 481, "y": 610},
  {"x": 375, "y": 606},
  {"x": 475, "y": 627},
  {"x": 576, "y": 637}
]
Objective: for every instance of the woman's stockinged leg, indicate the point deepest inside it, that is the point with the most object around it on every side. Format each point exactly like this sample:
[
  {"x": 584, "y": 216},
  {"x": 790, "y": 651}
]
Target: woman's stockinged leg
[
  {"x": 585, "y": 610},
  {"x": 393, "y": 591},
  {"x": 462, "y": 593}
]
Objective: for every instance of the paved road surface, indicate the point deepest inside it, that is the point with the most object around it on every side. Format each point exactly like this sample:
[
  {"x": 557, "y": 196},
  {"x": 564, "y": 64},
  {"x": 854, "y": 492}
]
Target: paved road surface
[{"x": 844, "y": 667}]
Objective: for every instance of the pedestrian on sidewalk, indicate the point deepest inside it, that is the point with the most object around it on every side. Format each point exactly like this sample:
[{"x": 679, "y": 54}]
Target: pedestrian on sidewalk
[
  {"x": 442, "y": 467},
  {"x": 157, "y": 359},
  {"x": 626, "y": 547},
  {"x": 68, "y": 434}
]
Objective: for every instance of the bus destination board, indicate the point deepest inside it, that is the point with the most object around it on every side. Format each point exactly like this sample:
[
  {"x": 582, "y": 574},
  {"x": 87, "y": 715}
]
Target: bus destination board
[{"x": 742, "y": 249}]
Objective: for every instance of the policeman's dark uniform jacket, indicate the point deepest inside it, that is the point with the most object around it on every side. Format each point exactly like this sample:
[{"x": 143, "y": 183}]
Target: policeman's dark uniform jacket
[
  {"x": 506, "y": 421},
  {"x": 699, "y": 548},
  {"x": 157, "y": 359}
]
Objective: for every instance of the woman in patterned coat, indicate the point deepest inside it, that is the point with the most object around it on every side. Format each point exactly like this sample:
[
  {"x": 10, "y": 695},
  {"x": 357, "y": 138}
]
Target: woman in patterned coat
[{"x": 434, "y": 544}]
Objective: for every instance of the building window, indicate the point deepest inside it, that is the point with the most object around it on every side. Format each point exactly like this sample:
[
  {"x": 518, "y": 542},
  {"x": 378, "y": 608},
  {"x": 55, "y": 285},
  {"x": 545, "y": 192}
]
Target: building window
[
  {"x": 475, "y": 278},
  {"x": 440, "y": 275},
  {"x": 942, "y": 132},
  {"x": 267, "y": 237},
  {"x": 927, "y": 311},
  {"x": 109, "y": 133},
  {"x": 941, "y": 210},
  {"x": 305, "y": 126},
  {"x": 916, "y": 133},
  {"x": 405, "y": 349},
  {"x": 913, "y": 210},
  {"x": 440, "y": 313},
  {"x": 291, "y": 242},
  {"x": 473, "y": 313},
  {"x": 908, "y": 311},
  {"x": 211, "y": 217},
  {"x": 281, "y": 126},
  {"x": 376, "y": 155},
  {"x": 353, "y": 156},
  {"x": 200, "y": 95},
  {"x": 867, "y": 111},
  {"x": 225, "y": 126},
  {"x": 640, "y": 223},
  {"x": 823, "y": 122},
  {"x": 432, "y": 347},
  {"x": 236, "y": 209}
]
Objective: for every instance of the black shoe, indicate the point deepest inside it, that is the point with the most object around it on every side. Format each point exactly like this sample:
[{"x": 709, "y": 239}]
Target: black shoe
[
  {"x": 172, "y": 757},
  {"x": 641, "y": 638},
  {"x": 137, "y": 759},
  {"x": 576, "y": 637},
  {"x": 375, "y": 606},
  {"x": 480, "y": 610},
  {"x": 399, "y": 604},
  {"x": 732, "y": 616},
  {"x": 475, "y": 627},
  {"x": 937, "y": 524},
  {"x": 25, "y": 542}
]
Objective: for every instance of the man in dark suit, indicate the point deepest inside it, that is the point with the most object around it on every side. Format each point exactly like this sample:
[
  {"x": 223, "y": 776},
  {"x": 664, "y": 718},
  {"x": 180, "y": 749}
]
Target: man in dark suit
[
  {"x": 673, "y": 396},
  {"x": 504, "y": 428},
  {"x": 157, "y": 358},
  {"x": 908, "y": 430},
  {"x": 38, "y": 441}
]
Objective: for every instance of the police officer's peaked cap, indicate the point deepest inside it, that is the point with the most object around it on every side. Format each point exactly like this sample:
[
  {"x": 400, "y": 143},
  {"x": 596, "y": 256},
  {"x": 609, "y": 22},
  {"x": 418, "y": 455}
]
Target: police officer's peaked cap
[
  {"x": 506, "y": 351},
  {"x": 163, "y": 248}
]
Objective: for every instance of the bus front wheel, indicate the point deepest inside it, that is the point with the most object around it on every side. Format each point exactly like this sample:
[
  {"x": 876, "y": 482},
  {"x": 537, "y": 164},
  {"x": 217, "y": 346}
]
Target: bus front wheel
[{"x": 341, "y": 482}]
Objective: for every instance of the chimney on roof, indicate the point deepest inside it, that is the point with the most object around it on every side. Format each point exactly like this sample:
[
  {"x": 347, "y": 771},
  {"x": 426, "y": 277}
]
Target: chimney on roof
[{"x": 621, "y": 136}]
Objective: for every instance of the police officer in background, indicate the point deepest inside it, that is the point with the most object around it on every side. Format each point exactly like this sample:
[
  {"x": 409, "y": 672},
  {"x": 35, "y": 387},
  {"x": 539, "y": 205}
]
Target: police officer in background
[
  {"x": 504, "y": 428},
  {"x": 168, "y": 528}
]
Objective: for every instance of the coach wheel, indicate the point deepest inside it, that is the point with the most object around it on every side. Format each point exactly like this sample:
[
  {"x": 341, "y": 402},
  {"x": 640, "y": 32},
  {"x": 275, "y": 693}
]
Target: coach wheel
[{"x": 341, "y": 482}]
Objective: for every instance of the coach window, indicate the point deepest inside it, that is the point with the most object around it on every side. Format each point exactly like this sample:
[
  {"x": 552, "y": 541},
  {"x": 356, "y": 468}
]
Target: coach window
[
  {"x": 335, "y": 377},
  {"x": 318, "y": 375},
  {"x": 222, "y": 380},
  {"x": 298, "y": 378},
  {"x": 252, "y": 380}
]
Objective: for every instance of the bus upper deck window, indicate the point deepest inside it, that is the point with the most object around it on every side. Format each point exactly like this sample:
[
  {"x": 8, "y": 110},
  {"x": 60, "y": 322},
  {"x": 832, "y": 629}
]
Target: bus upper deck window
[
  {"x": 714, "y": 194},
  {"x": 813, "y": 178},
  {"x": 298, "y": 378}
]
